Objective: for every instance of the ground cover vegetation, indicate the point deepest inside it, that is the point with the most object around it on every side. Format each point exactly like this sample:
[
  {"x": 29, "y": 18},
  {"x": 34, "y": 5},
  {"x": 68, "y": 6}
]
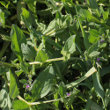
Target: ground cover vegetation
[{"x": 55, "y": 54}]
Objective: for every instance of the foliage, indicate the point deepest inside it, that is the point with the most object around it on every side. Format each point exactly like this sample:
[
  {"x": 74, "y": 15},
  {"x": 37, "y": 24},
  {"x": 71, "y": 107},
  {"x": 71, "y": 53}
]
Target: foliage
[{"x": 55, "y": 54}]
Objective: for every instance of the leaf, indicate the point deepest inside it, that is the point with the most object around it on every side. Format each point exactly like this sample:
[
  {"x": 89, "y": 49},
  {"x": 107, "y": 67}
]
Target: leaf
[
  {"x": 28, "y": 52},
  {"x": 94, "y": 54},
  {"x": 51, "y": 28},
  {"x": 80, "y": 19},
  {"x": 5, "y": 101},
  {"x": 20, "y": 105},
  {"x": 3, "y": 70},
  {"x": 94, "y": 36},
  {"x": 105, "y": 15},
  {"x": 62, "y": 89},
  {"x": 2, "y": 18},
  {"x": 92, "y": 48},
  {"x": 27, "y": 18},
  {"x": 31, "y": 4},
  {"x": 72, "y": 97},
  {"x": 20, "y": 5},
  {"x": 105, "y": 70},
  {"x": 14, "y": 91},
  {"x": 93, "y": 4},
  {"x": 97, "y": 85},
  {"x": 91, "y": 105},
  {"x": 42, "y": 56},
  {"x": 42, "y": 85},
  {"x": 53, "y": 43},
  {"x": 107, "y": 97},
  {"x": 5, "y": 4},
  {"x": 88, "y": 74},
  {"x": 69, "y": 47},
  {"x": 17, "y": 38}
]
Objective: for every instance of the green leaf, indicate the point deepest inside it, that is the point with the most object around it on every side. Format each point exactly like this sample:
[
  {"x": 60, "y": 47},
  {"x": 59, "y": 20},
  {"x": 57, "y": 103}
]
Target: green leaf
[
  {"x": 17, "y": 38},
  {"x": 5, "y": 101},
  {"x": 28, "y": 52},
  {"x": 72, "y": 97},
  {"x": 42, "y": 56},
  {"x": 20, "y": 105},
  {"x": 93, "y": 4},
  {"x": 31, "y": 4},
  {"x": 80, "y": 19},
  {"x": 107, "y": 97},
  {"x": 2, "y": 18},
  {"x": 14, "y": 91},
  {"x": 51, "y": 28},
  {"x": 105, "y": 70},
  {"x": 94, "y": 54},
  {"x": 97, "y": 85},
  {"x": 94, "y": 36},
  {"x": 88, "y": 74},
  {"x": 5, "y": 4},
  {"x": 62, "y": 89},
  {"x": 69, "y": 47},
  {"x": 42, "y": 85},
  {"x": 20, "y": 5},
  {"x": 27, "y": 18},
  {"x": 105, "y": 15},
  {"x": 92, "y": 48},
  {"x": 91, "y": 105},
  {"x": 53, "y": 43},
  {"x": 3, "y": 70}
]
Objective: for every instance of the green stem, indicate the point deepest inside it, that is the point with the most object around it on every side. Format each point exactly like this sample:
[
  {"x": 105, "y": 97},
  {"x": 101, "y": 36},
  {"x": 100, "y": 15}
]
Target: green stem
[
  {"x": 8, "y": 64},
  {"x": 53, "y": 60},
  {"x": 42, "y": 102}
]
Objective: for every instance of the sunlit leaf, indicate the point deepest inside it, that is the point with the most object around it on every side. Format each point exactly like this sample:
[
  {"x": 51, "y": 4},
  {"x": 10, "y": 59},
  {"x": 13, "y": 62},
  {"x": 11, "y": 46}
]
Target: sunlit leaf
[{"x": 14, "y": 91}]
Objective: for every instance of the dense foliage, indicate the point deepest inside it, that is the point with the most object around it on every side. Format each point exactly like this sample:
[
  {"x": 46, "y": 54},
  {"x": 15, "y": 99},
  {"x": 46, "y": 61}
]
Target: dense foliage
[{"x": 55, "y": 54}]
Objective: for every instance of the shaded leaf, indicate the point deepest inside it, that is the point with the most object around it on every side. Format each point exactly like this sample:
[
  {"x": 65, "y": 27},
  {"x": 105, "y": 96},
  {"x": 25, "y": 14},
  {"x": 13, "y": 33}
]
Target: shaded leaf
[
  {"x": 69, "y": 47},
  {"x": 42, "y": 85},
  {"x": 97, "y": 85},
  {"x": 91, "y": 105},
  {"x": 93, "y": 4},
  {"x": 28, "y": 52},
  {"x": 92, "y": 48}
]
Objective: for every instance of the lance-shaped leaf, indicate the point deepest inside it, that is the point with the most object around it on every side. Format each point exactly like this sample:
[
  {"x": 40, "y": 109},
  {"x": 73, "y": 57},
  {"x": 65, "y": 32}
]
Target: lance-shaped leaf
[
  {"x": 17, "y": 38},
  {"x": 42, "y": 85},
  {"x": 97, "y": 85},
  {"x": 14, "y": 91},
  {"x": 2, "y": 18},
  {"x": 69, "y": 46},
  {"x": 27, "y": 18}
]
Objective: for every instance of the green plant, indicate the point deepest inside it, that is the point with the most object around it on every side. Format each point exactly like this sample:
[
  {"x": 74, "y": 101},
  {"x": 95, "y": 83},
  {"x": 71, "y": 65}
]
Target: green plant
[{"x": 54, "y": 55}]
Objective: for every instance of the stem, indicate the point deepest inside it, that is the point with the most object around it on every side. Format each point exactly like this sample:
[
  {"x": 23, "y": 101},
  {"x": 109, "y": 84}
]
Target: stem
[
  {"x": 41, "y": 102},
  {"x": 8, "y": 64},
  {"x": 53, "y": 60}
]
